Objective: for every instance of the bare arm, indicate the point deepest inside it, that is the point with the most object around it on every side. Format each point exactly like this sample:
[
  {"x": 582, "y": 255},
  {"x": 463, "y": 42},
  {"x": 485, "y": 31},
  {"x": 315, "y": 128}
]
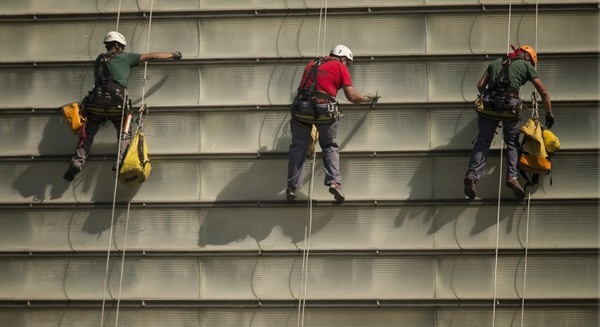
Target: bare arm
[
  {"x": 539, "y": 86},
  {"x": 158, "y": 56},
  {"x": 482, "y": 82},
  {"x": 352, "y": 95}
]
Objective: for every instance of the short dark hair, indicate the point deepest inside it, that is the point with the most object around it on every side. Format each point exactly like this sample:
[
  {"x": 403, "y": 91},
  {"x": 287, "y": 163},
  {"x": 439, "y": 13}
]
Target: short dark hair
[{"x": 114, "y": 44}]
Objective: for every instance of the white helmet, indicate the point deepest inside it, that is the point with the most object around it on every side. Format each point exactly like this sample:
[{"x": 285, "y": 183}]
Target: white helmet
[
  {"x": 114, "y": 36},
  {"x": 342, "y": 51}
]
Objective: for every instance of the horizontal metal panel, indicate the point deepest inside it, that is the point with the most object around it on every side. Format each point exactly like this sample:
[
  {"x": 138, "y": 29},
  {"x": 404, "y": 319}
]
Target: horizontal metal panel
[
  {"x": 313, "y": 317},
  {"x": 76, "y": 6},
  {"x": 378, "y": 178},
  {"x": 410, "y": 227},
  {"x": 267, "y": 83},
  {"x": 293, "y": 36},
  {"x": 248, "y": 131},
  {"x": 278, "y": 278}
]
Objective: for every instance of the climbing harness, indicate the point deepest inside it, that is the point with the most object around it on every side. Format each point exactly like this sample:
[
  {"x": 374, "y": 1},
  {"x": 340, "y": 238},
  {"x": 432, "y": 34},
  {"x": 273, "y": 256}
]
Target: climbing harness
[
  {"x": 107, "y": 95},
  {"x": 500, "y": 101},
  {"x": 126, "y": 118},
  {"x": 312, "y": 106}
]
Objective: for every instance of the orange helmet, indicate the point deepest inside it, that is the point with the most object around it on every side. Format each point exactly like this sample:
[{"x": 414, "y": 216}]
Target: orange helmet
[{"x": 531, "y": 51}]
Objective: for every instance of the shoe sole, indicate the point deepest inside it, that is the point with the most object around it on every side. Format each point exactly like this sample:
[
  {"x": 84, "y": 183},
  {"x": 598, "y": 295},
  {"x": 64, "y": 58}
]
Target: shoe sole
[
  {"x": 290, "y": 197},
  {"x": 517, "y": 192},
  {"x": 337, "y": 194},
  {"x": 69, "y": 175},
  {"x": 469, "y": 192}
]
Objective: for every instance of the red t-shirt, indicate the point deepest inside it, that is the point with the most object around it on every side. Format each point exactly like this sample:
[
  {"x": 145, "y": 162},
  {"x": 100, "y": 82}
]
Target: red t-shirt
[{"x": 331, "y": 76}]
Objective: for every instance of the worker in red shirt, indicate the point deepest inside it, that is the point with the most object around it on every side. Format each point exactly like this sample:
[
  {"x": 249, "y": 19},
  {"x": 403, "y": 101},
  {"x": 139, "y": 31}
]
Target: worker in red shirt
[{"x": 315, "y": 104}]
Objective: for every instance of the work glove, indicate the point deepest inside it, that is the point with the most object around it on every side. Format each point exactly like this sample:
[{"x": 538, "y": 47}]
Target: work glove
[
  {"x": 372, "y": 99},
  {"x": 176, "y": 55},
  {"x": 549, "y": 120}
]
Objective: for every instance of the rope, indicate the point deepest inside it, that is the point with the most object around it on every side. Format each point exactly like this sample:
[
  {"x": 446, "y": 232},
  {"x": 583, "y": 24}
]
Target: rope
[
  {"x": 118, "y": 15},
  {"x": 308, "y": 230},
  {"x": 112, "y": 219},
  {"x": 497, "y": 236},
  {"x": 125, "y": 126},
  {"x": 535, "y": 113},
  {"x": 496, "y": 251},
  {"x": 306, "y": 250},
  {"x": 526, "y": 258},
  {"x": 122, "y": 265}
]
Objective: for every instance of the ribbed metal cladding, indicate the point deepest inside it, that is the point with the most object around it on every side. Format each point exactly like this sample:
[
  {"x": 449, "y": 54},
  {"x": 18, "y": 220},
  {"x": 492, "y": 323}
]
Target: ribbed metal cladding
[
  {"x": 210, "y": 240},
  {"x": 438, "y": 127},
  {"x": 337, "y": 277},
  {"x": 314, "y": 317},
  {"x": 377, "y": 227},
  {"x": 221, "y": 179}
]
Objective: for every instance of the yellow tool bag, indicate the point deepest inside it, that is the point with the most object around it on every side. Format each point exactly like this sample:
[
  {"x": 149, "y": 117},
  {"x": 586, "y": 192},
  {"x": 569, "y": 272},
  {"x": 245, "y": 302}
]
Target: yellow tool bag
[
  {"x": 312, "y": 144},
  {"x": 135, "y": 168},
  {"x": 533, "y": 157},
  {"x": 73, "y": 117}
]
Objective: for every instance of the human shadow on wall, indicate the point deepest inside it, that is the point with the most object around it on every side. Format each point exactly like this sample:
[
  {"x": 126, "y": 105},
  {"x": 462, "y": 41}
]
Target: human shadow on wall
[
  {"x": 34, "y": 181},
  {"x": 219, "y": 229},
  {"x": 436, "y": 220}
]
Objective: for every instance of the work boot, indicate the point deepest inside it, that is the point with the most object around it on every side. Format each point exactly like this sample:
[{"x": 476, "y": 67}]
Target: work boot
[
  {"x": 290, "y": 194},
  {"x": 470, "y": 191},
  {"x": 336, "y": 190},
  {"x": 513, "y": 184},
  {"x": 69, "y": 175}
]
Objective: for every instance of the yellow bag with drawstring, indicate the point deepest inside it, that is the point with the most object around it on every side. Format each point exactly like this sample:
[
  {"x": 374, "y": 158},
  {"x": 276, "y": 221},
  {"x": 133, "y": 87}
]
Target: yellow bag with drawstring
[
  {"x": 312, "y": 144},
  {"x": 533, "y": 157},
  {"x": 72, "y": 115},
  {"x": 136, "y": 165}
]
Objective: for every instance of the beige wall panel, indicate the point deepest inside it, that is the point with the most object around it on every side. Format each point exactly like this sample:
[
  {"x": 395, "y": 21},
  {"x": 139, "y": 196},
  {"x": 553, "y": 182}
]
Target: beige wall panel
[
  {"x": 264, "y": 131},
  {"x": 404, "y": 227},
  {"x": 296, "y": 36},
  {"x": 402, "y": 81},
  {"x": 377, "y": 178},
  {"x": 377, "y": 35},
  {"x": 313, "y": 317},
  {"x": 268, "y": 83},
  {"x": 278, "y": 277},
  {"x": 548, "y": 277},
  {"x": 481, "y": 33},
  {"x": 78, "y": 6},
  {"x": 40, "y": 41}
]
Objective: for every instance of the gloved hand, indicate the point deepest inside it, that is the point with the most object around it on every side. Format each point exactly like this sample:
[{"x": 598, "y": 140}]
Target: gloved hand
[
  {"x": 176, "y": 55},
  {"x": 549, "y": 120},
  {"x": 372, "y": 99}
]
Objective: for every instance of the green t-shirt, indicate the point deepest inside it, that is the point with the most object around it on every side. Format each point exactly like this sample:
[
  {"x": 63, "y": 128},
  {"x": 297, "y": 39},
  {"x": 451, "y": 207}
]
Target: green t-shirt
[
  {"x": 519, "y": 72},
  {"x": 120, "y": 65}
]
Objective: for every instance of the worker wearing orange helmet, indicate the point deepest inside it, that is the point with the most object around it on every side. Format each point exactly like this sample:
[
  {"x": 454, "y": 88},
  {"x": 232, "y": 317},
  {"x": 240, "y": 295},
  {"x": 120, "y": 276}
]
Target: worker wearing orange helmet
[{"x": 499, "y": 89}]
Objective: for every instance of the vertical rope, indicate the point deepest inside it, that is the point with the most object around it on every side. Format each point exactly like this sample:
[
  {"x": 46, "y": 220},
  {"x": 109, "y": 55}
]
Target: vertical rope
[
  {"x": 509, "y": 22},
  {"x": 118, "y": 16},
  {"x": 125, "y": 125},
  {"x": 497, "y": 235},
  {"x": 112, "y": 219},
  {"x": 122, "y": 265},
  {"x": 535, "y": 113},
  {"x": 500, "y": 176},
  {"x": 306, "y": 250},
  {"x": 308, "y": 230},
  {"x": 147, "y": 50},
  {"x": 525, "y": 263}
]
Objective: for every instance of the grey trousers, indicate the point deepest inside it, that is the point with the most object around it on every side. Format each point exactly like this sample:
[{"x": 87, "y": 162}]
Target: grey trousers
[
  {"x": 481, "y": 149},
  {"x": 88, "y": 133},
  {"x": 297, "y": 152}
]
